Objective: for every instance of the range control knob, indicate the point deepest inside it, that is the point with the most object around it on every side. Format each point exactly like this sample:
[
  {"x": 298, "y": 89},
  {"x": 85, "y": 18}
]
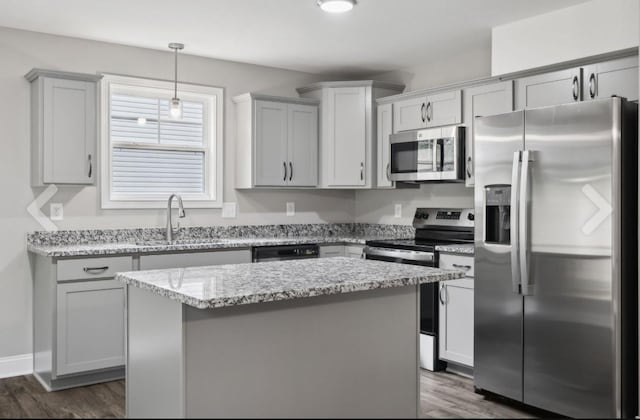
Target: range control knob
[{"x": 471, "y": 216}]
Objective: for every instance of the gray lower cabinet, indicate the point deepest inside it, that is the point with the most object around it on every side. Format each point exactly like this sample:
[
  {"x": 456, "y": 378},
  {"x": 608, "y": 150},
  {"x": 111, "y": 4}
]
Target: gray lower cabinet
[
  {"x": 194, "y": 259},
  {"x": 90, "y": 326},
  {"x": 78, "y": 320},
  {"x": 63, "y": 127},
  {"x": 354, "y": 251},
  {"x": 481, "y": 101},
  {"x": 349, "y": 251},
  {"x": 455, "y": 333}
]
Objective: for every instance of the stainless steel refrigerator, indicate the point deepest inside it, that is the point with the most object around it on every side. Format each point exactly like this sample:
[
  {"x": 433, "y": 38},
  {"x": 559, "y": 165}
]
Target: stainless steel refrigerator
[{"x": 556, "y": 257}]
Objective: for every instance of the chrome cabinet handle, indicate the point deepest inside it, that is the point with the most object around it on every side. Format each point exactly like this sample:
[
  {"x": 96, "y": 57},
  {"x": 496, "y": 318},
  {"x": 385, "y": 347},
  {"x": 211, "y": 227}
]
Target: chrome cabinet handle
[
  {"x": 361, "y": 171},
  {"x": 284, "y": 165},
  {"x": 576, "y": 88},
  {"x": 469, "y": 167},
  {"x": 442, "y": 301},
  {"x": 422, "y": 114},
  {"x": 388, "y": 171},
  {"x": 592, "y": 85},
  {"x": 429, "y": 112},
  {"x": 515, "y": 240},
  {"x": 290, "y": 171},
  {"x": 462, "y": 267},
  {"x": 96, "y": 270},
  {"x": 90, "y": 167}
]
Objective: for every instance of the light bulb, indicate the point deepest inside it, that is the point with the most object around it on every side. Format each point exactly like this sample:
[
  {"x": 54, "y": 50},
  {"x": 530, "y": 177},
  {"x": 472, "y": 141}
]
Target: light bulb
[
  {"x": 176, "y": 108},
  {"x": 336, "y": 6}
]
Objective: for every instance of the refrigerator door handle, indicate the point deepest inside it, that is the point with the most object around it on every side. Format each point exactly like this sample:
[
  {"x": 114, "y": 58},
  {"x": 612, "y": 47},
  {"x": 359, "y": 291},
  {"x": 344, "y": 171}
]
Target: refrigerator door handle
[
  {"x": 514, "y": 223},
  {"x": 523, "y": 227}
]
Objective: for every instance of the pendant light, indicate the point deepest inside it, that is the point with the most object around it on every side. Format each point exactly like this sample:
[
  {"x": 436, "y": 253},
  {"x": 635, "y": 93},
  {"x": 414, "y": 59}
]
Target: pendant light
[
  {"x": 175, "y": 109},
  {"x": 336, "y": 6}
]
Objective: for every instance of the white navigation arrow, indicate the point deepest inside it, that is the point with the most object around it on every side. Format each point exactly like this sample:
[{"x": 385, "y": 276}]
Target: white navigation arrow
[
  {"x": 604, "y": 209},
  {"x": 34, "y": 208}
]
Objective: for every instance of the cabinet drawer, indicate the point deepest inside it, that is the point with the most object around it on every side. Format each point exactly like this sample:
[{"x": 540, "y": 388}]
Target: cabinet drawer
[
  {"x": 88, "y": 268},
  {"x": 327, "y": 251},
  {"x": 457, "y": 262}
]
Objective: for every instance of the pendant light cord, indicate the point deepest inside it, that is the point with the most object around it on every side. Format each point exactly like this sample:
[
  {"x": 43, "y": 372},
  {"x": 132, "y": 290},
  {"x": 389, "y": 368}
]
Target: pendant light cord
[{"x": 175, "y": 82}]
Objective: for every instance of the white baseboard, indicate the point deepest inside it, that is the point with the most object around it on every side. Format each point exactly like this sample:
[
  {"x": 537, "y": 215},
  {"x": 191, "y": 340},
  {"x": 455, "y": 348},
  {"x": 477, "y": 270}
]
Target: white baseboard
[{"x": 21, "y": 364}]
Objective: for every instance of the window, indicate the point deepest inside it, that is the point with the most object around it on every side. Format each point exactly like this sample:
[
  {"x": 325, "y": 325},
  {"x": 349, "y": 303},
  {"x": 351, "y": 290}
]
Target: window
[{"x": 147, "y": 155}]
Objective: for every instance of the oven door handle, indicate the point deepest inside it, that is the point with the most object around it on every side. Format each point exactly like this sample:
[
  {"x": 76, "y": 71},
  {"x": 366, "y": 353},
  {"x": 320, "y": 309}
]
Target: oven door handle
[{"x": 421, "y": 256}]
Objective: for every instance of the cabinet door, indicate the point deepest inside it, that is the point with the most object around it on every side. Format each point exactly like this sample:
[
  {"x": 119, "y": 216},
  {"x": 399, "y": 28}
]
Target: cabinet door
[
  {"x": 444, "y": 109},
  {"x": 455, "y": 334},
  {"x": 90, "y": 326},
  {"x": 616, "y": 77},
  {"x": 69, "y": 131},
  {"x": 303, "y": 145},
  {"x": 270, "y": 144},
  {"x": 354, "y": 251},
  {"x": 482, "y": 101},
  {"x": 559, "y": 87},
  {"x": 327, "y": 251},
  {"x": 194, "y": 259},
  {"x": 347, "y": 138},
  {"x": 384, "y": 130},
  {"x": 409, "y": 114}
]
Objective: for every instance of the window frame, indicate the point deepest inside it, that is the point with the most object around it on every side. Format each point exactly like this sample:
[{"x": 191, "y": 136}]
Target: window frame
[{"x": 213, "y": 141}]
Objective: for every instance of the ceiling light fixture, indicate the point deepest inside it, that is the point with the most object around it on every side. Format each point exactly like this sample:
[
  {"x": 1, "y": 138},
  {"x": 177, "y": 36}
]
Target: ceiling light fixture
[
  {"x": 336, "y": 6},
  {"x": 176, "y": 107}
]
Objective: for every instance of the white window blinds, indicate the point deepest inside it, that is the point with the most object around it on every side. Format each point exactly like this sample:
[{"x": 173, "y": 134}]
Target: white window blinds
[
  {"x": 153, "y": 155},
  {"x": 143, "y": 134}
]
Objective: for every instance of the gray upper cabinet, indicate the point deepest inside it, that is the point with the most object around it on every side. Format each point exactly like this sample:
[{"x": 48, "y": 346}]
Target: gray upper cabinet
[
  {"x": 615, "y": 77},
  {"x": 277, "y": 142},
  {"x": 427, "y": 111},
  {"x": 481, "y": 101},
  {"x": 348, "y": 131},
  {"x": 63, "y": 127},
  {"x": 385, "y": 129},
  {"x": 558, "y": 87}
]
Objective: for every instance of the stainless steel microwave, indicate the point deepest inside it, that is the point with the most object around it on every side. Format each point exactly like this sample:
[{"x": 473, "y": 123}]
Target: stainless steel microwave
[{"x": 434, "y": 154}]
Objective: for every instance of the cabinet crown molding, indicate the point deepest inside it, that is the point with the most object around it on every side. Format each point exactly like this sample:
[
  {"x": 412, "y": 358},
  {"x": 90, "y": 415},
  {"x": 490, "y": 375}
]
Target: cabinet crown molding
[
  {"x": 260, "y": 97},
  {"x": 35, "y": 73},
  {"x": 351, "y": 83}
]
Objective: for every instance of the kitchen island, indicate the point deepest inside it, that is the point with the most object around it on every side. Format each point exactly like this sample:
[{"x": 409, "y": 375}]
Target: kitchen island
[{"x": 333, "y": 337}]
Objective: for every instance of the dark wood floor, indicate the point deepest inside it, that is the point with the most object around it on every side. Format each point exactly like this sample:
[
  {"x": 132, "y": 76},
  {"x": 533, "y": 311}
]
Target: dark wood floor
[{"x": 443, "y": 395}]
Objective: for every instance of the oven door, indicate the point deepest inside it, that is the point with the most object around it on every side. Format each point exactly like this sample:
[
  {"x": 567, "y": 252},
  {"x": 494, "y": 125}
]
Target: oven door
[
  {"x": 413, "y": 156},
  {"x": 428, "y": 291}
]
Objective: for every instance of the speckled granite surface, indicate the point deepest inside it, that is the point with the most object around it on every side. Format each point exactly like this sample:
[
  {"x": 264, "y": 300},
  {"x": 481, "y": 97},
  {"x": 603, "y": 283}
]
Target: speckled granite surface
[
  {"x": 151, "y": 240},
  {"x": 466, "y": 249},
  {"x": 240, "y": 284}
]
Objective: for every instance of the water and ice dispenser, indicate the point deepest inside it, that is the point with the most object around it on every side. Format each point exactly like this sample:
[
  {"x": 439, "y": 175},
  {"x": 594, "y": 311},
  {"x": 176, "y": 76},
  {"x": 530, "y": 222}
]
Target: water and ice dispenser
[{"x": 497, "y": 214}]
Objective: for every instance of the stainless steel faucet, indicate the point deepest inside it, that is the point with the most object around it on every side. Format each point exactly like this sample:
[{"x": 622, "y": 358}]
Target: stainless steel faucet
[{"x": 181, "y": 214}]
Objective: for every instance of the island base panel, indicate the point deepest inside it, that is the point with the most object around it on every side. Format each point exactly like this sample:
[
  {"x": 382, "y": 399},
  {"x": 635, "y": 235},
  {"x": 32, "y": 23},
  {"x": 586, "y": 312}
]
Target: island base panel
[{"x": 347, "y": 355}]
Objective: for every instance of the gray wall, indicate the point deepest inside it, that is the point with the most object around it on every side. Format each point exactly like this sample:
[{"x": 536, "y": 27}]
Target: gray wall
[
  {"x": 378, "y": 206},
  {"x": 21, "y": 51}
]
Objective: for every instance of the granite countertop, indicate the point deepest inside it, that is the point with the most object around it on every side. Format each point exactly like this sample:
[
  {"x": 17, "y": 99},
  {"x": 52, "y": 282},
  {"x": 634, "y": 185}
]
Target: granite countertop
[
  {"x": 240, "y": 284},
  {"x": 146, "y": 247},
  {"x": 466, "y": 249}
]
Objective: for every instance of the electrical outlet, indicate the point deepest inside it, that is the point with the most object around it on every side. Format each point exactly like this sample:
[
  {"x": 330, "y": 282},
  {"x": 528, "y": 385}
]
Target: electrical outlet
[
  {"x": 56, "y": 211},
  {"x": 397, "y": 211},
  {"x": 229, "y": 210},
  {"x": 291, "y": 209}
]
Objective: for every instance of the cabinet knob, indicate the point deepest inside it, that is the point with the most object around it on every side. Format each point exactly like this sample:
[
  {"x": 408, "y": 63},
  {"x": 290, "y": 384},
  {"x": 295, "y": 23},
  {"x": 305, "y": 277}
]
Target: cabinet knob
[
  {"x": 592, "y": 86},
  {"x": 290, "y": 171},
  {"x": 90, "y": 167},
  {"x": 422, "y": 113},
  {"x": 576, "y": 88},
  {"x": 361, "y": 171},
  {"x": 284, "y": 165},
  {"x": 429, "y": 112}
]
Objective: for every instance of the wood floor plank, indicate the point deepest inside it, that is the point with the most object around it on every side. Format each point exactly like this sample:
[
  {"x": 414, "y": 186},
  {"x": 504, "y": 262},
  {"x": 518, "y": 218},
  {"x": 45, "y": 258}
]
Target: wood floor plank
[{"x": 442, "y": 395}]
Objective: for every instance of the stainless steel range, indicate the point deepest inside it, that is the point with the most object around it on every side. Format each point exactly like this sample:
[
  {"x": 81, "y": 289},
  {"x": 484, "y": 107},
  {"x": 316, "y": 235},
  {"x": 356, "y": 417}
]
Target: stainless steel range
[{"x": 434, "y": 226}]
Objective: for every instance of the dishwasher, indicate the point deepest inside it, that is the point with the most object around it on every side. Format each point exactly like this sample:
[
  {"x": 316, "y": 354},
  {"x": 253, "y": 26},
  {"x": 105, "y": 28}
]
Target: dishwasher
[{"x": 284, "y": 252}]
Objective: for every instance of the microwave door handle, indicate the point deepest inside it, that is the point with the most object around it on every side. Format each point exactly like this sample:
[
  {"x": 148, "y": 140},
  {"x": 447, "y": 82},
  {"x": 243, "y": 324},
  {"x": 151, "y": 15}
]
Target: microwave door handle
[
  {"x": 514, "y": 221},
  {"x": 440, "y": 154},
  {"x": 525, "y": 186}
]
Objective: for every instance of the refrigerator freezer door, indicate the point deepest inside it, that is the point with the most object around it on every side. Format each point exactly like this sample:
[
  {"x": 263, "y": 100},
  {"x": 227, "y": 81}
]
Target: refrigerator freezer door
[
  {"x": 569, "y": 360},
  {"x": 497, "y": 308}
]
